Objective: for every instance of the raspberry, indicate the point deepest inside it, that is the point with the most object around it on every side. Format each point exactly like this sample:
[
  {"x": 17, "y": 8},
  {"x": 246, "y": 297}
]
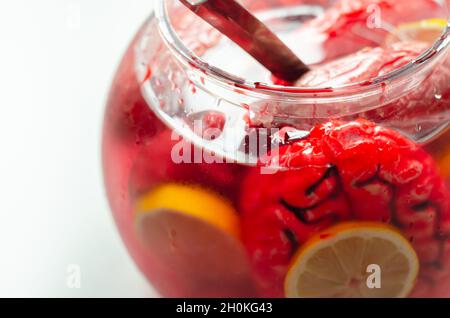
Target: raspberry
[{"x": 345, "y": 171}]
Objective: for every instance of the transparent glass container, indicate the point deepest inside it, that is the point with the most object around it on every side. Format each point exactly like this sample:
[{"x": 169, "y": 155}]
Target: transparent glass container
[{"x": 218, "y": 178}]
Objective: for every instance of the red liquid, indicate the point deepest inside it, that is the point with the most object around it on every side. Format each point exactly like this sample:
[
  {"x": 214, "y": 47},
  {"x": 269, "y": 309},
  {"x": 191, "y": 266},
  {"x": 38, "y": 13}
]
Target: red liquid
[{"x": 137, "y": 157}]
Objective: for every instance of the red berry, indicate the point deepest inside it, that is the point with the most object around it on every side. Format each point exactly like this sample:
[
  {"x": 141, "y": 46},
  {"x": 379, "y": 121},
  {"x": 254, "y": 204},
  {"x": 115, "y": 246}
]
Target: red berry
[{"x": 344, "y": 171}]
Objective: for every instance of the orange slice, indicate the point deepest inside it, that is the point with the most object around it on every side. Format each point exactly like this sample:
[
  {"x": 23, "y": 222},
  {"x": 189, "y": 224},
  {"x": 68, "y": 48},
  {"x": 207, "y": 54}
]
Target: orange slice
[
  {"x": 194, "y": 234},
  {"x": 443, "y": 159}
]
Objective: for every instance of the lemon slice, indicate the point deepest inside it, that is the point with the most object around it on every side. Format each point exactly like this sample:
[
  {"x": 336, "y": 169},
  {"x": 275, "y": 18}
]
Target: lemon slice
[
  {"x": 424, "y": 31},
  {"x": 355, "y": 259},
  {"x": 192, "y": 235}
]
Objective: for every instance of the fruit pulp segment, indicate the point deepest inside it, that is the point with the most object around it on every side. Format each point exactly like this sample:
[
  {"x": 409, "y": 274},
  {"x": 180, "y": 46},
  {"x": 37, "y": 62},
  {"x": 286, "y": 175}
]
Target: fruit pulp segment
[{"x": 337, "y": 266}]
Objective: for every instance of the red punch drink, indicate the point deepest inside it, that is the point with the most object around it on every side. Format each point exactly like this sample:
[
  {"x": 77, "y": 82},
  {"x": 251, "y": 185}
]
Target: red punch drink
[{"x": 226, "y": 182}]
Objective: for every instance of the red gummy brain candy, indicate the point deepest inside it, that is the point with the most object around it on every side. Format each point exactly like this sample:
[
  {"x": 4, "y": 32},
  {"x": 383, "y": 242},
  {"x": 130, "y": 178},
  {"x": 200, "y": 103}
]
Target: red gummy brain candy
[{"x": 346, "y": 171}]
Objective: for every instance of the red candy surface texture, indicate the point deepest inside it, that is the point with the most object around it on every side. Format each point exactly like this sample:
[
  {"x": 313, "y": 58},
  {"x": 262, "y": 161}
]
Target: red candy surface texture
[{"x": 346, "y": 171}]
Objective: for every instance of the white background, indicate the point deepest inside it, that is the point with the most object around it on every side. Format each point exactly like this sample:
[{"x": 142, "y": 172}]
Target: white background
[{"x": 56, "y": 63}]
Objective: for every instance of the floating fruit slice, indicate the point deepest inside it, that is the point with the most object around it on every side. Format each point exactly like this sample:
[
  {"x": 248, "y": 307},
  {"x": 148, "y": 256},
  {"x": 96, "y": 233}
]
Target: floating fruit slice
[
  {"x": 443, "y": 154},
  {"x": 444, "y": 163},
  {"x": 194, "y": 234},
  {"x": 424, "y": 31},
  {"x": 336, "y": 262},
  {"x": 440, "y": 149}
]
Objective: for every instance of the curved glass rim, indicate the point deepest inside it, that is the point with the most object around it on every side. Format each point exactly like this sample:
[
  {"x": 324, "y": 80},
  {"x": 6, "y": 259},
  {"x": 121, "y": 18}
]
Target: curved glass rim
[{"x": 190, "y": 58}]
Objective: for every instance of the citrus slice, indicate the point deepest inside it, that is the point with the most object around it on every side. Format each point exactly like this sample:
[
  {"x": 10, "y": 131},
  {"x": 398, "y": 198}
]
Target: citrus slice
[
  {"x": 193, "y": 234},
  {"x": 424, "y": 31},
  {"x": 439, "y": 148},
  {"x": 445, "y": 164},
  {"x": 355, "y": 259},
  {"x": 443, "y": 158}
]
